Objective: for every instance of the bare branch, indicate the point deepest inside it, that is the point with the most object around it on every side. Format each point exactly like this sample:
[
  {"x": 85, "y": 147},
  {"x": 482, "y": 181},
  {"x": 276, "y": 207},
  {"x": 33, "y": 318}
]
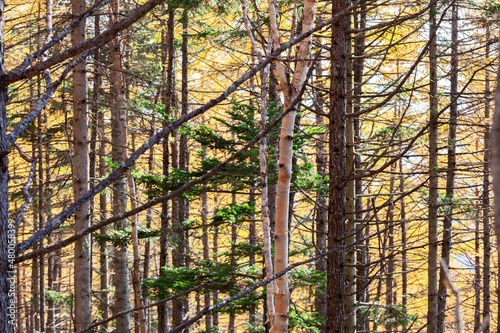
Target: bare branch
[
  {"x": 28, "y": 196},
  {"x": 54, "y": 223}
]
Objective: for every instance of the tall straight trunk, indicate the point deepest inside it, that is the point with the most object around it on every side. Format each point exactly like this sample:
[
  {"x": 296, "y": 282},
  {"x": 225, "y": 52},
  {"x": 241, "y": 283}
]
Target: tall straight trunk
[
  {"x": 486, "y": 197},
  {"x": 450, "y": 173},
  {"x": 215, "y": 295},
  {"x": 337, "y": 174},
  {"x": 180, "y": 306},
  {"x": 234, "y": 239},
  {"x": 264, "y": 199},
  {"x": 206, "y": 247},
  {"x": 477, "y": 276},
  {"x": 41, "y": 222},
  {"x": 149, "y": 222},
  {"x": 136, "y": 277},
  {"x": 362, "y": 244},
  {"x": 167, "y": 99},
  {"x": 103, "y": 199},
  {"x": 103, "y": 203},
  {"x": 121, "y": 278},
  {"x": 320, "y": 300},
  {"x": 350, "y": 225},
  {"x": 389, "y": 282},
  {"x": 6, "y": 272},
  {"x": 432, "y": 271},
  {"x": 82, "y": 280},
  {"x": 140, "y": 324},
  {"x": 495, "y": 168},
  {"x": 183, "y": 144},
  {"x": 252, "y": 240},
  {"x": 404, "y": 260}
]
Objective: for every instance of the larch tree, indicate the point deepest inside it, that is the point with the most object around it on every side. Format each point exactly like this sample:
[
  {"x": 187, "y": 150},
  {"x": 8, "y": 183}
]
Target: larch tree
[{"x": 81, "y": 178}]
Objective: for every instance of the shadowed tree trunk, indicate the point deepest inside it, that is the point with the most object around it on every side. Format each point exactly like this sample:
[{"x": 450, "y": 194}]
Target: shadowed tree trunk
[
  {"x": 432, "y": 271},
  {"x": 486, "y": 197},
  {"x": 320, "y": 302},
  {"x": 167, "y": 99},
  {"x": 450, "y": 174},
  {"x": 350, "y": 224},
  {"x": 6, "y": 301}
]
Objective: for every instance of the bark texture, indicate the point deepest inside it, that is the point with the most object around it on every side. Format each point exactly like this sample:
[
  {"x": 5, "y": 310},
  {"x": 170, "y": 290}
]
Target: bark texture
[
  {"x": 82, "y": 281},
  {"x": 337, "y": 174},
  {"x": 432, "y": 273}
]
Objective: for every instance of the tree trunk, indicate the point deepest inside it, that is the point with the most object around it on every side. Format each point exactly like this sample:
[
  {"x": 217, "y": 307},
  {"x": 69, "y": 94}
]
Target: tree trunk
[
  {"x": 350, "y": 225},
  {"x": 206, "y": 247},
  {"x": 337, "y": 174},
  {"x": 320, "y": 301},
  {"x": 82, "y": 280},
  {"x": 404, "y": 261},
  {"x": 361, "y": 243},
  {"x": 290, "y": 91},
  {"x": 486, "y": 197},
  {"x": 450, "y": 174},
  {"x": 6, "y": 269},
  {"x": 121, "y": 278},
  {"x": 433, "y": 175},
  {"x": 167, "y": 99}
]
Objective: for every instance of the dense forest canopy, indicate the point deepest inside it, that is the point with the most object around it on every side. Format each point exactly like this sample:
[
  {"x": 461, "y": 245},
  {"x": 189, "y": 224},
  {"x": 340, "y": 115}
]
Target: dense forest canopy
[{"x": 249, "y": 166}]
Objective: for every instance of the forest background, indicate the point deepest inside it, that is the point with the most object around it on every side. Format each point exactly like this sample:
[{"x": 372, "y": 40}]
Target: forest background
[{"x": 236, "y": 166}]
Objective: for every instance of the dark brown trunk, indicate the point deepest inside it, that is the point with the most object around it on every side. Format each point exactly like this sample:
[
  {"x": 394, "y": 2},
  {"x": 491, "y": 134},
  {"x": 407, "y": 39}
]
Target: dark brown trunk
[
  {"x": 450, "y": 174},
  {"x": 432, "y": 270},
  {"x": 486, "y": 197},
  {"x": 167, "y": 95},
  {"x": 337, "y": 176}
]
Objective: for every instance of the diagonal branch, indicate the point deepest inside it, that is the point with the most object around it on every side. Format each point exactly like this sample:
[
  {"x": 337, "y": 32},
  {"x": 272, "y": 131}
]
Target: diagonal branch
[
  {"x": 66, "y": 213},
  {"x": 43, "y": 100},
  {"x": 225, "y": 302},
  {"x": 103, "y": 38},
  {"x": 54, "y": 223},
  {"x": 28, "y": 196},
  {"x": 50, "y": 43}
]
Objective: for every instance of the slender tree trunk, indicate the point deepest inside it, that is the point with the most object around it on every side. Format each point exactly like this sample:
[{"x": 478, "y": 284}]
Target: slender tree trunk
[
  {"x": 450, "y": 174},
  {"x": 180, "y": 306},
  {"x": 389, "y": 282},
  {"x": 477, "y": 276},
  {"x": 252, "y": 240},
  {"x": 167, "y": 99},
  {"x": 149, "y": 221},
  {"x": 215, "y": 295},
  {"x": 6, "y": 271},
  {"x": 82, "y": 280},
  {"x": 350, "y": 225},
  {"x": 495, "y": 167},
  {"x": 103, "y": 198},
  {"x": 432, "y": 306},
  {"x": 486, "y": 197},
  {"x": 136, "y": 277},
  {"x": 404, "y": 260},
  {"x": 290, "y": 91},
  {"x": 362, "y": 244},
  {"x": 206, "y": 247},
  {"x": 234, "y": 240},
  {"x": 337, "y": 174},
  {"x": 320, "y": 301},
  {"x": 121, "y": 278}
]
